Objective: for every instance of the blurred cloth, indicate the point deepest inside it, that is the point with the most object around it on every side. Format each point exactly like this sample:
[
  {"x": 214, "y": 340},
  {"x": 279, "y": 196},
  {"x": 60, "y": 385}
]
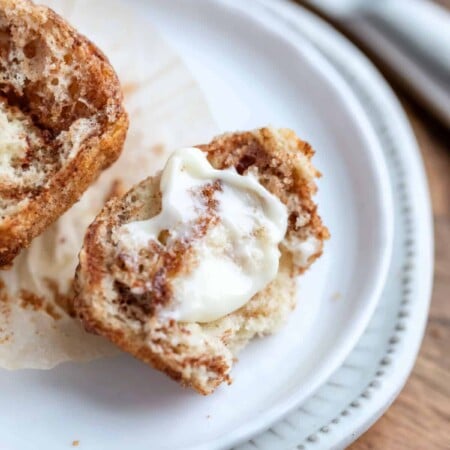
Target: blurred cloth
[{"x": 411, "y": 38}]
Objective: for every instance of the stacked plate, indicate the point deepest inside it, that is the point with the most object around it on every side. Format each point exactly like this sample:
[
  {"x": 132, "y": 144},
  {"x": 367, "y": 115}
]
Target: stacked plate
[{"x": 350, "y": 345}]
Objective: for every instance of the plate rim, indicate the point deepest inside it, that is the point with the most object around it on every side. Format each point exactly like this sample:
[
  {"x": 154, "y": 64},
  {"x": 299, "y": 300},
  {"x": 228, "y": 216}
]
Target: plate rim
[
  {"x": 377, "y": 166},
  {"x": 332, "y": 76},
  {"x": 400, "y": 116},
  {"x": 418, "y": 240}
]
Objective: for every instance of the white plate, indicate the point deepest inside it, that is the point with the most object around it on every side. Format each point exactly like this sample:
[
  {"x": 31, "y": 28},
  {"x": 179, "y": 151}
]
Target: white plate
[
  {"x": 255, "y": 71},
  {"x": 373, "y": 374}
]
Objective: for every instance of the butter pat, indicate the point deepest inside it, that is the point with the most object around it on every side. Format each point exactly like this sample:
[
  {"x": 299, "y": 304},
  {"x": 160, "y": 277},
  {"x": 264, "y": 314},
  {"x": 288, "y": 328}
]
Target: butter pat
[{"x": 232, "y": 227}]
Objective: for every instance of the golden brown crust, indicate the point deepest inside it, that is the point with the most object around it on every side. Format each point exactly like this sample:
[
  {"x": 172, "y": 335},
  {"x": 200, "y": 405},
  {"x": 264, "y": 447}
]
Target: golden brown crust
[
  {"x": 97, "y": 151},
  {"x": 64, "y": 190},
  {"x": 282, "y": 163}
]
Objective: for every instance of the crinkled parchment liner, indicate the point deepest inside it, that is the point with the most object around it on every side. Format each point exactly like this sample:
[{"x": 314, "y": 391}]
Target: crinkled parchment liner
[{"x": 167, "y": 110}]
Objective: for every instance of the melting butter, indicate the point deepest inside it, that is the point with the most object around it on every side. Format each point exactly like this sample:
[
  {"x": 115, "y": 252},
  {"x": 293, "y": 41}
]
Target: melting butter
[{"x": 235, "y": 258}]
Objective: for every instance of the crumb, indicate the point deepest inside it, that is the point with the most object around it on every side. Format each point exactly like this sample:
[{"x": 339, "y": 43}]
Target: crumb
[
  {"x": 75, "y": 443},
  {"x": 2, "y": 285},
  {"x": 336, "y": 296},
  {"x": 5, "y": 339},
  {"x": 157, "y": 149},
  {"x": 63, "y": 300},
  {"x": 3, "y": 292},
  {"x": 29, "y": 300},
  {"x": 208, "y": 416},
  {"x": 5, "y": 308},
  {"x": 62, "y": 240},
  {"x": 117, "y": 189},
  {"x": 50, "y": 310}
]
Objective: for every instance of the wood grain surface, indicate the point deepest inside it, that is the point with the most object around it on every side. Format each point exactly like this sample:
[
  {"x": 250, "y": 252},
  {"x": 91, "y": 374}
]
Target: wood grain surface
[{"x": 419, "y": 419}]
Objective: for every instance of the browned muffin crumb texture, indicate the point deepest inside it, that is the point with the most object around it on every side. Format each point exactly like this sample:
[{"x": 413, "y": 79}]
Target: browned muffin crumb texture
[
  {"x": 114, "y": 297},
  {"x": 62, "y": 117}
]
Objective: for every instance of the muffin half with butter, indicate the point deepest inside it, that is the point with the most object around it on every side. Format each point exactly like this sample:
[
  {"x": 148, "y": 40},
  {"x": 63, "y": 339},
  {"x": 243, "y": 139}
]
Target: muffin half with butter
[{"x": 194, "y": 262}]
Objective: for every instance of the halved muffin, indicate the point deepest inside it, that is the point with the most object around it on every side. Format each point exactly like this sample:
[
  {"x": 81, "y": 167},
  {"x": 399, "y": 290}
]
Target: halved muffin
[
  {"x": 61, "y": 120},
  {"x": 183, "y": 279}
]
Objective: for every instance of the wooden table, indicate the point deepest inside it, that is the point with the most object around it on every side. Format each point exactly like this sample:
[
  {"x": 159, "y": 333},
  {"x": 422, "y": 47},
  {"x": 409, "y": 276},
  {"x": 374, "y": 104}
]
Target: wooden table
[{"x": 420, "y": 417}]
